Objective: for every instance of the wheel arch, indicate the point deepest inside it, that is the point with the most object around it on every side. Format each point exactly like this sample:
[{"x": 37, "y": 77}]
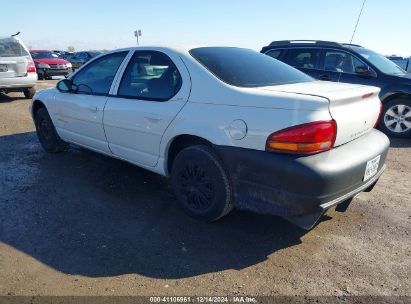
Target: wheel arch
[
  {"x": 180, "y": 142},
  {"x": 395, "y": 95},
  {"x": 37, "y": 104}
]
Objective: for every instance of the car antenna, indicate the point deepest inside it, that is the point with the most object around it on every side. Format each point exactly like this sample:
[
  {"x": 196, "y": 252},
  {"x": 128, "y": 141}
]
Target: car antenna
[
  {"x": 358, "y": 20},
  {"x": 15, "y": 34},
  {"x": 355, "y": 29}
]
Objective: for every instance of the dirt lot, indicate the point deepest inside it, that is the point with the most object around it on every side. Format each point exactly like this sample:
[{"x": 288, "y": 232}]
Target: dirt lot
[{"x": 80, "y": 223}]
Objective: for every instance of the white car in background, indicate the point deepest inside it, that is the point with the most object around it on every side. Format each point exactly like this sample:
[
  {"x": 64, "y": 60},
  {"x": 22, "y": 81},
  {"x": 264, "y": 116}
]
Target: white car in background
[
  {"x": 230, "y": 126},
  {"x": 17, "y": 69}
]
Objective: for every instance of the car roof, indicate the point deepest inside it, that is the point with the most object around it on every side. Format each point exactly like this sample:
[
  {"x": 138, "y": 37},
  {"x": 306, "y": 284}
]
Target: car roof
[
  {"x": 180, "y": 49},
  {"x": 311, "y": 43}
]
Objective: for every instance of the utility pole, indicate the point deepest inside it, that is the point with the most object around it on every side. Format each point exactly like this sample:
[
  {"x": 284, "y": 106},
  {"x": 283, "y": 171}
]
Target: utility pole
[{"x": 137, "y": 33}]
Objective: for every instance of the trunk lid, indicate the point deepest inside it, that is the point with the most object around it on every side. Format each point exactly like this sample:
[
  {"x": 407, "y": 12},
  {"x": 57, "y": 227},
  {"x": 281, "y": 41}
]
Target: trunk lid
[
  {"x": 13, "y": 67},
  {"x": 350, "y": 106}
]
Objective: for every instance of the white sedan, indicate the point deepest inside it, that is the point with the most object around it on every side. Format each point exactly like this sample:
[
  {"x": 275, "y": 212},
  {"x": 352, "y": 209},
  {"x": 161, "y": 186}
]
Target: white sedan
[{"x": 230, "y": 126}]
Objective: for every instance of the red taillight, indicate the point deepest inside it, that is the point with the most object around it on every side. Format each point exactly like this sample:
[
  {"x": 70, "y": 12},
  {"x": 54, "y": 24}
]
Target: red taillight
[
  {"x": 31, "y": 68},
  {"x": 379, "y": 116},
  {"x": 304, "y": 139}
]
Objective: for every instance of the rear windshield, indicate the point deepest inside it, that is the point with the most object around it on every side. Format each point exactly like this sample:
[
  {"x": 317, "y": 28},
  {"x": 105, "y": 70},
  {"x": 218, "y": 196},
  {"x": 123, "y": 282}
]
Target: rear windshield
[
  {"x": 247, "y": 68},
  {"x": 11, "y": 47}
]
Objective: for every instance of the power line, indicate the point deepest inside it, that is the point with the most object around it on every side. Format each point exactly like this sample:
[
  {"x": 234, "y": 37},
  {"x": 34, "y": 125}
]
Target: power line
[{"x": 358, "y": 20}]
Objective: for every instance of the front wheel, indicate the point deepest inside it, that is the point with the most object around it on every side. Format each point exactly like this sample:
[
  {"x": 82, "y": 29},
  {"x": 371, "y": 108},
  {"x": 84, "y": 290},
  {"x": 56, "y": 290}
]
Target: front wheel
[
  {"x": 201, "y": 183},
  {"x": 395, "y": 118},
  {"x": 46, "y": 133}
]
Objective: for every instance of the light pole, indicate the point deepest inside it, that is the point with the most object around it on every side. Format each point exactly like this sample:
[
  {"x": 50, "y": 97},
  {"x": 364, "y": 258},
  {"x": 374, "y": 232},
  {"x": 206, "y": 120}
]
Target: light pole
[{"x": 137, "y": 33}]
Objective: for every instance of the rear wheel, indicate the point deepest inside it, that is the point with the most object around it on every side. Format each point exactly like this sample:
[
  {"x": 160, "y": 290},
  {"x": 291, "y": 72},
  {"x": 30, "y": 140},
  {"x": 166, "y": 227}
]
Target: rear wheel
[
  {"x": 395, "y": 118},
  {"x": 46, "y": 133},
  {"x": 201, "y": 183},
  {"x": 29, "y": 92}
]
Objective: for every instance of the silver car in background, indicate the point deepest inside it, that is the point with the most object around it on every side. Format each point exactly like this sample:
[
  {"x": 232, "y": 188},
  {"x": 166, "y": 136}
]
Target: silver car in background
[{"x": 17, "y": 69}]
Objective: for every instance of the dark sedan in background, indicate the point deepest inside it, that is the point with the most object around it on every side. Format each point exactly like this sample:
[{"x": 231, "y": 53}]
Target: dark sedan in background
[{"x": 79, "y": 58}]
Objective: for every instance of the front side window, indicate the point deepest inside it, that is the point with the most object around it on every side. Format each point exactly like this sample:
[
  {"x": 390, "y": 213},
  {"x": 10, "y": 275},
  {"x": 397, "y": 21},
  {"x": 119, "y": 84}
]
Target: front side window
[
  {"x": 151, "y": 76},
  {"x": 342, "y": 62},
  {"x": 247, "y": 68},
  {"x": 96, "y": 78},
  {"x": 303, "y": 58}
]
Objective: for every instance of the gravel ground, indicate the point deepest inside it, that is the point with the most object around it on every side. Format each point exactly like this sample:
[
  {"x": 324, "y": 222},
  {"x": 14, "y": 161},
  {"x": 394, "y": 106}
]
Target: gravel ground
[{"x": 80, "y": 223}]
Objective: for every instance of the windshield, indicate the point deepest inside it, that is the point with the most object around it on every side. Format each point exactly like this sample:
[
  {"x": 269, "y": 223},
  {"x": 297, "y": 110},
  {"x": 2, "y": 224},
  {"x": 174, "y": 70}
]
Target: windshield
[
  {"x": 247, "y": 68},
  {"x": 380, "y": 62},
  {"x": 40, "y": 55},
  {"x": 10, "y": 47}
]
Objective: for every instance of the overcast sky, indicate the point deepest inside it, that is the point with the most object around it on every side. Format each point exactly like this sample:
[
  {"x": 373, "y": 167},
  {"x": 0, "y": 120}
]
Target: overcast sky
[{"x": 385, "y": 26}]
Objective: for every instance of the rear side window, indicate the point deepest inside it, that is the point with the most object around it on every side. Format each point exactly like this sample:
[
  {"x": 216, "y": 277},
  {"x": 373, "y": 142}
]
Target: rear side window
[
  {"x": 274, "y": 53},
  {"x": 150, "y": 76},
  {"x": 10, "y": 47},
  {"x": 303, "y": 58},
  {"x": 97, "y": 77},
  {"x": 246, "y": 68}
]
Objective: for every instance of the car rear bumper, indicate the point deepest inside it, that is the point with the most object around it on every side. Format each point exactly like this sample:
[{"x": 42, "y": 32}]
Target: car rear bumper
[
  {"x": 14, "y": 83},
  {"x": 301, "y": 188},
  {"x": 54, "y": 72}
]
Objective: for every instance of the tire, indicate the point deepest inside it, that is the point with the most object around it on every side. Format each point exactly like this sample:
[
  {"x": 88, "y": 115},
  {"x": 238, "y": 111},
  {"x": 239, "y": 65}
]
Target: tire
[
  {"x": 29, "y": 93},
  {"x": 395, "y": 120},
  {"x": 46, "y": 133},
  {"x": 40, "y": 76},
  {"x": 201, "y": 184}
]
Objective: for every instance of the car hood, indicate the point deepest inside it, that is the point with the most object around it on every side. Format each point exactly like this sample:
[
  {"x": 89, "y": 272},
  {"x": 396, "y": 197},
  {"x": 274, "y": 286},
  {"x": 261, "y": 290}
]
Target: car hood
[{"x": 50, "y": 61}]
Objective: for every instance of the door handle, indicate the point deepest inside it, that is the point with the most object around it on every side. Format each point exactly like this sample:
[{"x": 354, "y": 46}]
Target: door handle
[
  {"x": 324, "y": 77},
  {"x": 93, "y": 109}
]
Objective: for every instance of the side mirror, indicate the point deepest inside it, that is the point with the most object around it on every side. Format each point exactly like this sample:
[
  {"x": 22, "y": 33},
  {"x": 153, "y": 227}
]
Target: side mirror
[
  {"x": 66, "y": 86},
  {"x": 363, "y": 71}
]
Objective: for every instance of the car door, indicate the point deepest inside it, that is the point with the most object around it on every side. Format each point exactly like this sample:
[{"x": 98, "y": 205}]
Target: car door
[
  {"x": 153, "y": 89},
  {"x": 306, "y": 60},
  {"x": 330, "y": 64},
  {"x": 79, "y": 114}
]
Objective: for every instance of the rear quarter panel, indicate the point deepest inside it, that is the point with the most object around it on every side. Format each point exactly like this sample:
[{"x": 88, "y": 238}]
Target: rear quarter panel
[{"x": 214, "y": 123}]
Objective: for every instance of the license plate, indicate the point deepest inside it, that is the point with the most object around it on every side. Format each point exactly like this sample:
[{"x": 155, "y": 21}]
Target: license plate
[
  {"x": 3, "y": 68},
  {"x": 372, "y": 167}
]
